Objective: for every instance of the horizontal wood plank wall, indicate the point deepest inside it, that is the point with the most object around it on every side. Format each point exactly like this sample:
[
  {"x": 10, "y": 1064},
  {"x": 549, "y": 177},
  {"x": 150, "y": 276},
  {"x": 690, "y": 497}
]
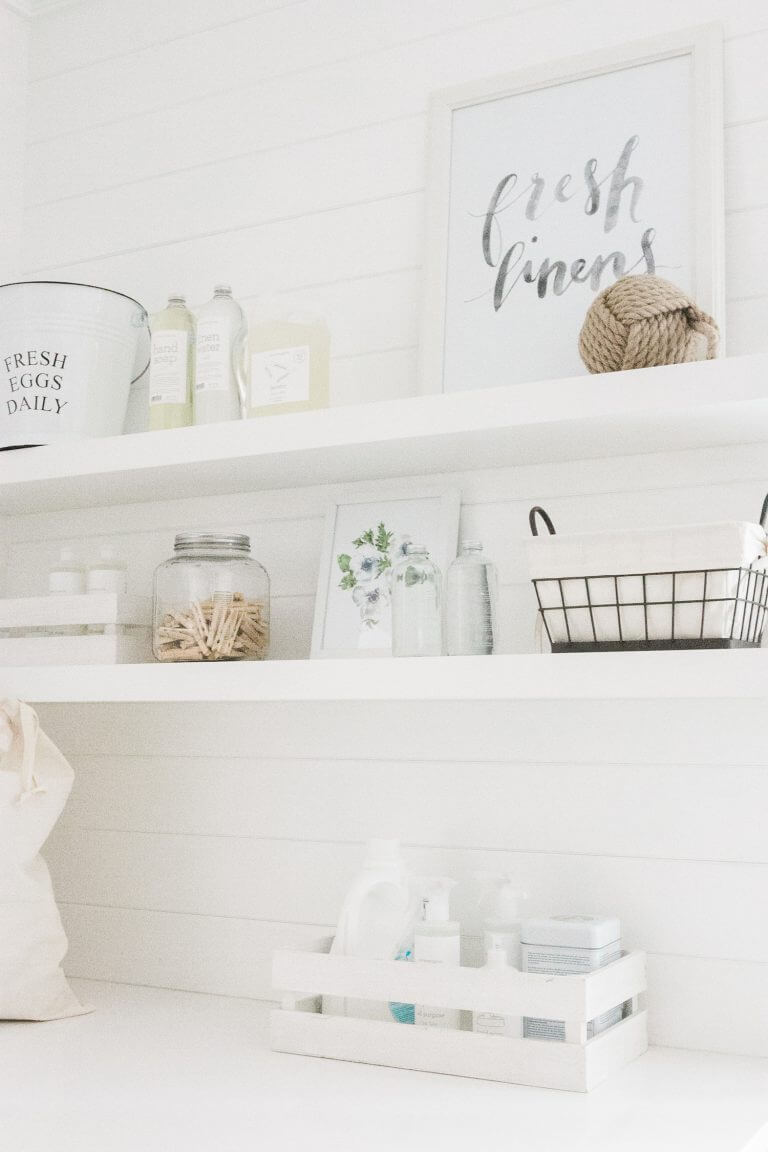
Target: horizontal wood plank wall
[{"x": 279, "y": 144}]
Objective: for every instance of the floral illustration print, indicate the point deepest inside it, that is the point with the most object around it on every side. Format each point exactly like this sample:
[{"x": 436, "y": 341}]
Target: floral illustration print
[{"x": 365, "y": 571}]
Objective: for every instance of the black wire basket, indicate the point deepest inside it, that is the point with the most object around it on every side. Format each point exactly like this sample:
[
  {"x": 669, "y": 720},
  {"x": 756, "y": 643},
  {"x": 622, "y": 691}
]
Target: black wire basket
[{"x": 653, "y": 611}]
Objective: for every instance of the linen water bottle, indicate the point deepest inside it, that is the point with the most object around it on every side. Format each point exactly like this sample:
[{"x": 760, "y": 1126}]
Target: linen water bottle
[
  {"x": 219, "y": 359},
  {"x": 172, "y": 366},
  {"x": 470, "y": 602},
  {"x": 417, "y": 605}
]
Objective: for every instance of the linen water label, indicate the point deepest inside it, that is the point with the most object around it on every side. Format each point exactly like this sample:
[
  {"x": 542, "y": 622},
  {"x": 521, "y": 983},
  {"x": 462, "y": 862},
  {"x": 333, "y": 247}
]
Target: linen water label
[
  {"x": 280, "y": 376},
  {"x": 33, "y": 382},
  {"x": 212, "y": 356},
  {"x": 168, "y": 373}
]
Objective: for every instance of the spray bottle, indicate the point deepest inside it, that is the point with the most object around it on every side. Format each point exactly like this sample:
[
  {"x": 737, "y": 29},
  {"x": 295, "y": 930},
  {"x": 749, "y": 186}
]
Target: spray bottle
[{"x": 437, "y": 940}]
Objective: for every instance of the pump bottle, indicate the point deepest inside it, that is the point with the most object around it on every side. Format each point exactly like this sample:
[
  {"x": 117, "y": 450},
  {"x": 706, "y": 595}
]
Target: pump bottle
[
  {"x": 437, "y": 940},
  {"x": 491, "y": 1023}
]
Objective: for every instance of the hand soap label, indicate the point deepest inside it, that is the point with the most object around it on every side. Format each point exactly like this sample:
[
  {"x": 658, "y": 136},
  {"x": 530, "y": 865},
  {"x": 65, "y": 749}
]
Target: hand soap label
[
  {"x": 168, "y": 371},
  {"x": 280, "y": 376},
  {"x": 213, "y": 357}
]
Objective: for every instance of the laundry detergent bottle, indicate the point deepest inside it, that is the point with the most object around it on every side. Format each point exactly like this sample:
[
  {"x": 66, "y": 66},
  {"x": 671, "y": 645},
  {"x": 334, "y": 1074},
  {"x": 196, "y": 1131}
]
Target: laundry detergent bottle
[{"x": 373, "y": 921}]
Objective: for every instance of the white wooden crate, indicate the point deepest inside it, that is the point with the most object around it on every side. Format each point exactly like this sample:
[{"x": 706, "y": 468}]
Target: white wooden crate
[
  {"x": 119, "y": 629},
  {"x": 577, "y": 1066}
]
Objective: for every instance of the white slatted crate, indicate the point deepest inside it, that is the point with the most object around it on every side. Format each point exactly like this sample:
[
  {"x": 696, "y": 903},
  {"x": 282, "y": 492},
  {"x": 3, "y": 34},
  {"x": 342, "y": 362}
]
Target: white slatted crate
[
  {"x": 115, "y": 629},
  {"x": 577, "y": 1065}
]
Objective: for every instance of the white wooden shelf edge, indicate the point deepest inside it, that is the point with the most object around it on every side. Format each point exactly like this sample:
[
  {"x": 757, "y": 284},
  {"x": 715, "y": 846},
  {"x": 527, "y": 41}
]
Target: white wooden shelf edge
[
  {"x": 599, "y": 676},
  {"x": 653, "y": 409}
]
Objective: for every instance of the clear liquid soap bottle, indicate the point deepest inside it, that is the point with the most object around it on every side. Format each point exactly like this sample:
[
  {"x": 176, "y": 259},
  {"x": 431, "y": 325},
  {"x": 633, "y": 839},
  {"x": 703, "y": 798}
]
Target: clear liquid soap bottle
[
  {"x": 172, "y": 366},
  {"x": 220, "y": 359}
]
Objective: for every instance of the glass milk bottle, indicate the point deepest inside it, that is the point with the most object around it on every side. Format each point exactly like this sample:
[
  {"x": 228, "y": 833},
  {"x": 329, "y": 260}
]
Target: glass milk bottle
[
  {"x": 289, "y": 354},
  {"x": 417, "y": 605},
  {"x": 172, "y": 366},
  {"x": 470, "y": 610},
  {"x": 219, "y": 354}
]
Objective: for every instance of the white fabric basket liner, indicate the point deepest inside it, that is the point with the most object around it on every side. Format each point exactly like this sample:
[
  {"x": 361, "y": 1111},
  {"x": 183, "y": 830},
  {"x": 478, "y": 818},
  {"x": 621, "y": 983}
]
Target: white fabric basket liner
[{"x": 627, "y": 579}]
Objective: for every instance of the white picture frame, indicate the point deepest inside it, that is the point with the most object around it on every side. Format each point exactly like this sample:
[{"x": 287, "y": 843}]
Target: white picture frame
[
  {"x": 427, "y": 515},
  {"x": 460, "y": 347}
]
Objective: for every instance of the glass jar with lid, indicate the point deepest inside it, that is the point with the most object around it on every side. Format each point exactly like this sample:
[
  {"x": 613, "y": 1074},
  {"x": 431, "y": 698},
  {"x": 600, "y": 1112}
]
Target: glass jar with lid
[{"x": 211, "y": 601}]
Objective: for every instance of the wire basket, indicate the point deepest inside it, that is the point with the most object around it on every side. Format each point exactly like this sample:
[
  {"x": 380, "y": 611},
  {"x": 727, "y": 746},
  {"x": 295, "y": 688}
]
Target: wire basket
[{"x": 696, "y": 608}]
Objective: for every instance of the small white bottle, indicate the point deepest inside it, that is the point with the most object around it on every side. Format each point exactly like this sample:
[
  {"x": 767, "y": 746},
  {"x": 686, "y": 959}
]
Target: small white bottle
[
  {"x": 437, "y": 940},
  {"x": 491, "y": 1023},
  {"x": 219, "y": 359},
  {"x": 66, "y": 578},
  {"x": 107, "y": 574},
  {"x": 470, "y": 610}
]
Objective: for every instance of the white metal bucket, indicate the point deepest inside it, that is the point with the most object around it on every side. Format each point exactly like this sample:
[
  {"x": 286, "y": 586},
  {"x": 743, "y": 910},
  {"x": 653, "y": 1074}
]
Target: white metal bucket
[{"x": 68, "y": 356}]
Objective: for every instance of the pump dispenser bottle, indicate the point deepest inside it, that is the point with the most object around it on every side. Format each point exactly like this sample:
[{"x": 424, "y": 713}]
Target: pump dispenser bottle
[
  {"x": 437, "y": 940},
  {"x": 491, "y": 1023}
]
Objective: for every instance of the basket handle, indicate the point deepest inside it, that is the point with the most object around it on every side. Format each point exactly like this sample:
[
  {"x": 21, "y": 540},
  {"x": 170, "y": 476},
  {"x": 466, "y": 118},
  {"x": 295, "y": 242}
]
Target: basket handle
[
  {"x": 764, "y": 514},
  {"x": 537, "y": 511}
]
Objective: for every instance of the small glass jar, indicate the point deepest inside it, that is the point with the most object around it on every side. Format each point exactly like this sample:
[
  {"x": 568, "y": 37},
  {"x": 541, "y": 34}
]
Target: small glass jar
[
  {"x": 417, "y": 605},
  {"x": 211, "y": 601}
]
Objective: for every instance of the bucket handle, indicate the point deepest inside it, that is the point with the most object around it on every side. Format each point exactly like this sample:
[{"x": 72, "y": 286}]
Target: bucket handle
[
  {"x": 141, "y": 320},
  {"x": 537, "y": 511}
]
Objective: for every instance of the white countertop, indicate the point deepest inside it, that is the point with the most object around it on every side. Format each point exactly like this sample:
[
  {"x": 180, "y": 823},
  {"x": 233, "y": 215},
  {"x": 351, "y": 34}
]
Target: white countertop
[{"x": 181, "y": 1072}]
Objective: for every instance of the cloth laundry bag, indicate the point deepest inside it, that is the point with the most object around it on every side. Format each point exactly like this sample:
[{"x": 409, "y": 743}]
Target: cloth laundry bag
[{"x": 35, "y": 781}]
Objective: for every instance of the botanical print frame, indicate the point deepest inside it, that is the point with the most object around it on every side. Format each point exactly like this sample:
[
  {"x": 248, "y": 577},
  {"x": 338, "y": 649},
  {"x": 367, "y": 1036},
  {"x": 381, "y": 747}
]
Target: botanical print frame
[
  {"x": 547, "y": 184},
  {"x": 364, "y": 538}
]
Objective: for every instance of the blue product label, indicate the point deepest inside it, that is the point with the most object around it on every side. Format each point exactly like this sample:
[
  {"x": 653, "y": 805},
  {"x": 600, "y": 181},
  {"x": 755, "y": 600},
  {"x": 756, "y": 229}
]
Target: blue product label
[{"x": 403, "y": 1013}]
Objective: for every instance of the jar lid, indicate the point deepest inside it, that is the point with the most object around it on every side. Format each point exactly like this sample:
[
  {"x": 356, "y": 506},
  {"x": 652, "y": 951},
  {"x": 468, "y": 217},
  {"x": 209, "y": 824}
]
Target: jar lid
[{"x": 234, "y": 542}]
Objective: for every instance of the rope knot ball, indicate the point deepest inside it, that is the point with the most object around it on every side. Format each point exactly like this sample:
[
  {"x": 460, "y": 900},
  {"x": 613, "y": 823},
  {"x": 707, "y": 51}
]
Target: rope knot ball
[{"x": 642, "y": 321}]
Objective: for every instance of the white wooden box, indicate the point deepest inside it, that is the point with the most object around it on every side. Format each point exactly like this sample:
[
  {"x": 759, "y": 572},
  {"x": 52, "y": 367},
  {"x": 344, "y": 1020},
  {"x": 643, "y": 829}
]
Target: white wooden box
[
  {"x": 119, "y": 629},
  {"x": 299, "y": 1026}
]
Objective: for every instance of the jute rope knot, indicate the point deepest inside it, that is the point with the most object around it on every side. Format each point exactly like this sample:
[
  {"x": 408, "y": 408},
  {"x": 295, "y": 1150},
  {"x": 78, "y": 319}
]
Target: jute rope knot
[{"x": 644, "y": 320}]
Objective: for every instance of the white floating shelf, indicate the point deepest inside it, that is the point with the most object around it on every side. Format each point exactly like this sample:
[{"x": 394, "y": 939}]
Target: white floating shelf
[
  {"x": 649, "y": 410},
  {"x": 707, "y": 674}
]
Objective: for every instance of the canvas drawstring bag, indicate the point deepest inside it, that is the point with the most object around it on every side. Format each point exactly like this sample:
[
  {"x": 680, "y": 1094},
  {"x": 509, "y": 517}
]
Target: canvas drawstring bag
[{"x": 35, "y": 781}]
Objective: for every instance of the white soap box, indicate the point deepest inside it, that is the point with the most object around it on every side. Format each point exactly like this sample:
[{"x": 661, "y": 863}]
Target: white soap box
[{"x": 103, "y": 627}]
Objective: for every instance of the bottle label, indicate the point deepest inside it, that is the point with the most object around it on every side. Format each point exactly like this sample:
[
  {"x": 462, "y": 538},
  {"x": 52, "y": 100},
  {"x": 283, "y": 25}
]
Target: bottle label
[
  {"x": 168, "y": 368},
  {"x": 212, "y": 362},
  {"x": 280, "y": 376}
]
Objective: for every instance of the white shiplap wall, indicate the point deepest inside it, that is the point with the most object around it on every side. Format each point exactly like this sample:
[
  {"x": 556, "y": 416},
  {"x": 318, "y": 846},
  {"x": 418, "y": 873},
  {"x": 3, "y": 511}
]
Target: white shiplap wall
[{"x": 281, "y": 146}]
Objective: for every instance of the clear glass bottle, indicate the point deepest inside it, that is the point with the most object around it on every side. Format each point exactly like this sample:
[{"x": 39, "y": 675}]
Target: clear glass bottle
[
  {"x": 470, "y": 608},
  {"x": 289, "y": 360},
  {"x": 417, "y": 605},
  {"x": 211, "y": 601},
  {"x": 219, "y": 359},
  {"x": 172, "y": 366}
]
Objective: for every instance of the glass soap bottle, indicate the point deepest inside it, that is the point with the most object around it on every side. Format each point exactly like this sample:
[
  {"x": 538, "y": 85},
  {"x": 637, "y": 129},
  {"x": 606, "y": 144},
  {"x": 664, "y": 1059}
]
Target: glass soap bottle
[
  {"x": 289, "y": 352},
  {"x": 172, "y": 366},
  {"x": 219, "y": 359},
  {"x": 211, "y": 601},
  {"x": 417, "y": 605},
  {"x": 470, "y": 609}
]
